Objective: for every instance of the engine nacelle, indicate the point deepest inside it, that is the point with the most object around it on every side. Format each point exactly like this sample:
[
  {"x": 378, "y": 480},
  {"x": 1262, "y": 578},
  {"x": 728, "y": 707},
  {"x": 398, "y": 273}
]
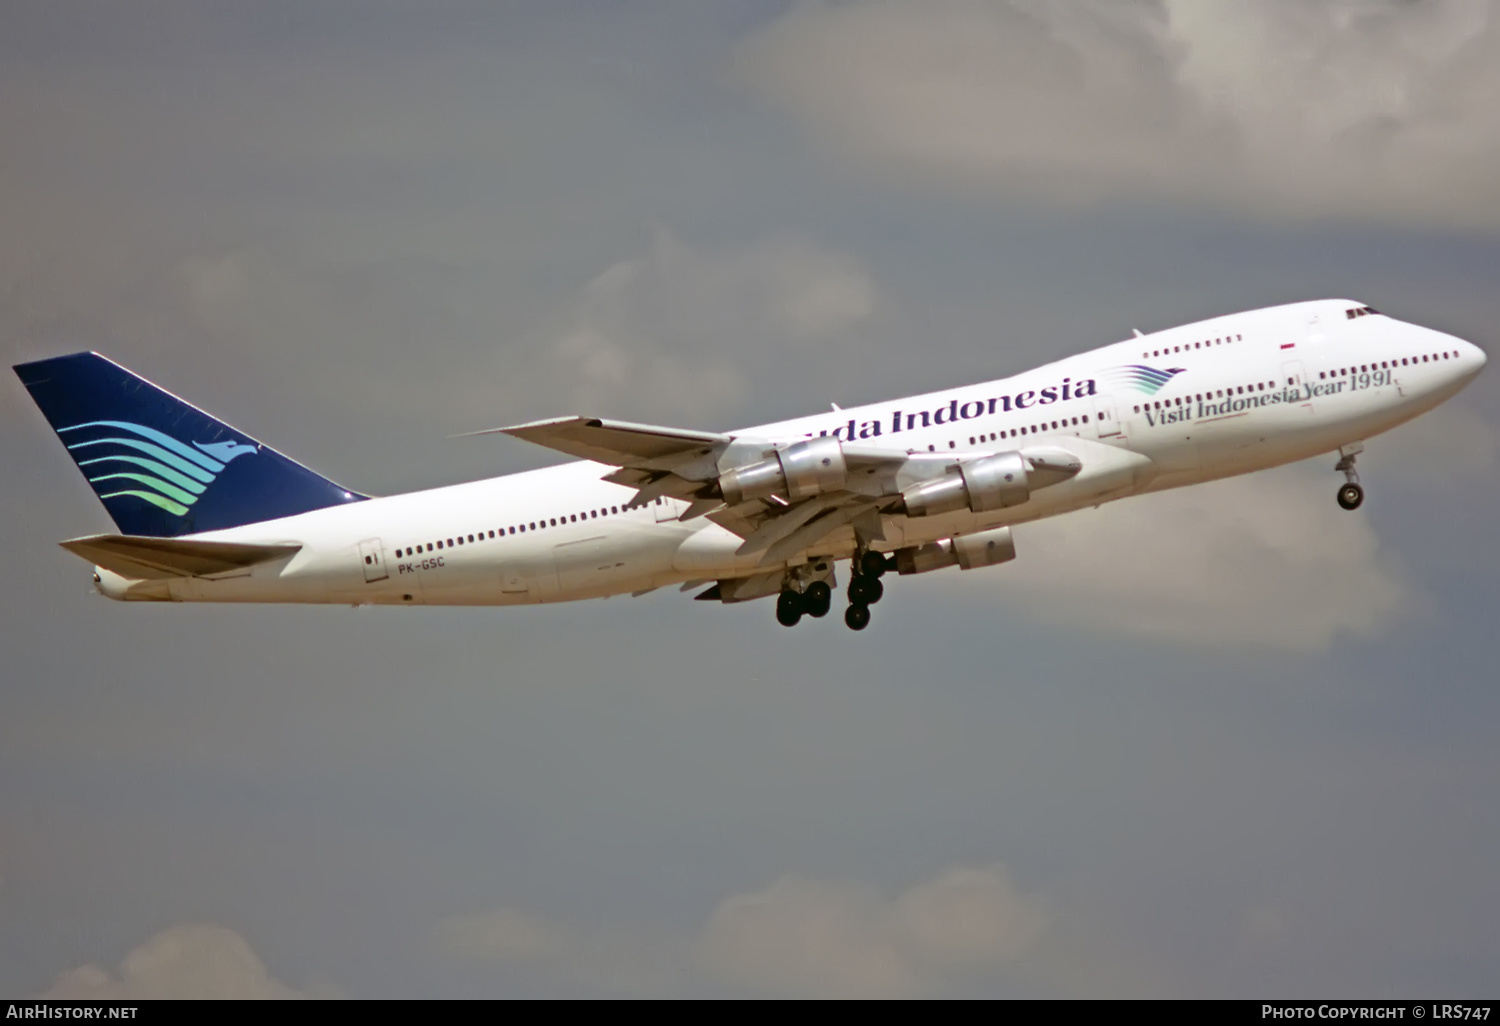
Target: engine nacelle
[
  {"x": 799, "y": 471},
  {"x": 921, "y": 559},
  {"x": 981, "y": 485},
  {"x": 969, "y": 551},
  {"x": 986, "y": 548},
  {"x": 991, "y": 482}
]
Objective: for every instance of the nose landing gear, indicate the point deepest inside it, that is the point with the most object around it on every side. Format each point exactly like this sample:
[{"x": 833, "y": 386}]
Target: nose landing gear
[{"x": 1350, "y": 493}]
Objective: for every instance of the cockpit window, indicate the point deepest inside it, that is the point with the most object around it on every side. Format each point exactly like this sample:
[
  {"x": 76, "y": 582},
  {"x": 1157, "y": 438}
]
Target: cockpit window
[{"x": 1360, "y": 311}]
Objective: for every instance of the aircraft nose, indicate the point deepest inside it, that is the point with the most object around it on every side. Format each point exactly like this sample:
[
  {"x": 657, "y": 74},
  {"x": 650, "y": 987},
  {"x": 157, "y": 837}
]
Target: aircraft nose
[{"x": 1471, "y": 358}]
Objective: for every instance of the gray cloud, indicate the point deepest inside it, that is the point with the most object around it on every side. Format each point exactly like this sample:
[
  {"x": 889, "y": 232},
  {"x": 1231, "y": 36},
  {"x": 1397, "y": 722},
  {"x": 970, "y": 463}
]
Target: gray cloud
[
  {"x": 1440, "y": 451},
  {"x": 1374, "y": 109},
  {"x": 1239, "y": 548},
  {"x": 687, "y": 330},
  {"x": 355, "y": 233}
]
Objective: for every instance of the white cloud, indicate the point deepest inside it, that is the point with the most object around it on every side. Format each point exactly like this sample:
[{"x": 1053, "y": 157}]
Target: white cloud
[
  {"x": 1378, "y": 109},
  {"x": 1267, "y": 560},
  {"x": 799, "y": 936},
  {"x": 193, "y": 961},
  {"x": 841, "y": 939},
  {"x": 633, "y": 961}
]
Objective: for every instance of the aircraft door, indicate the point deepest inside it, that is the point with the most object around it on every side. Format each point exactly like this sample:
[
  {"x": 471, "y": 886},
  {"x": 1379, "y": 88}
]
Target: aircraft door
[
  {"x": 1293, "y": 379},
  {"x": 1105, "y": 418},
  {"x": 372, "y": 555}
]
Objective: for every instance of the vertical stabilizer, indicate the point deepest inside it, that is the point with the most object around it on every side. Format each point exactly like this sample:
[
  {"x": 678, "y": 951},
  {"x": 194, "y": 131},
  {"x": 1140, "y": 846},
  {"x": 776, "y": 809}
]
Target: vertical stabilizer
[{"x": 163, "y": 467}]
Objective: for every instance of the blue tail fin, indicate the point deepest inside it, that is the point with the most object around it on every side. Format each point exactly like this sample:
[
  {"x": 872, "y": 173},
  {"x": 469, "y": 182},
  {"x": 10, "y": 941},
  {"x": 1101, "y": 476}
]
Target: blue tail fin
[{"x": 161, "y": 467}]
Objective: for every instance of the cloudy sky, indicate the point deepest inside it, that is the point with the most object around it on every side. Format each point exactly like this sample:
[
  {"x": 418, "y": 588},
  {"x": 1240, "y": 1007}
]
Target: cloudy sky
[{"x": 1229, "y": 742}]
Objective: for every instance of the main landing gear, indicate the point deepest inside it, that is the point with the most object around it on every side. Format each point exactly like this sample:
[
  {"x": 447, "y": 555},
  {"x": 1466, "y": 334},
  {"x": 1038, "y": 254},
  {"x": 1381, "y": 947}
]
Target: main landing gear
[
  {"x": 1350, "y": 493},
  {"x": 808, "y": 591},
  {"x": 815, "y": 601},
  {"x": 789, "y": 608},
  {"x": 865, "y": 588},
  {"x": 815, "y": 597}
]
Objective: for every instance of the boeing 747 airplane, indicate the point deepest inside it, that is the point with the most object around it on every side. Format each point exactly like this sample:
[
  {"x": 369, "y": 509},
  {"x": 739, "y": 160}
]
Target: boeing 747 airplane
[{"x": 208, "y": 514}]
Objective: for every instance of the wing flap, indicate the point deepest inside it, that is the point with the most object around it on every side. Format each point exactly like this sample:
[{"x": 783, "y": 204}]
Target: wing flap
[
  {"x": 813, "y": 531},
  {"x": 159, "y": 558}
]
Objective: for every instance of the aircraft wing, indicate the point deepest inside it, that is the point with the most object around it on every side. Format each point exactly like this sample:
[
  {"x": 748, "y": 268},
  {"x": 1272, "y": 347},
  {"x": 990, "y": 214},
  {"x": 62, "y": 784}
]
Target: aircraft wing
[
  {"x": 157, "y": 558},
  {"x": 690, "y": 454},
  {"x": 616, "y": 442},
  {"x": 686, "y": 465},
  {"x": 655, "y": 460}
]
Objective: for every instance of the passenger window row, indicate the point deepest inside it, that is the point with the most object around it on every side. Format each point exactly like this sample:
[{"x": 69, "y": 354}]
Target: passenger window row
[
  {"x": 1261, "y": 386},
  {"x": 1405, "y": 361},
  {"x": 1186, "y": 348},
  {"x": 1199, "y": 397},
  {"x": 1030, "y": 429},
  {"x": 501, "y": 532}
]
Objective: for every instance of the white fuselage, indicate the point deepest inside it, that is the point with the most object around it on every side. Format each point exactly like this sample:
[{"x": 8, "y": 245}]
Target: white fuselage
[{"x": 1254, "y": 390}]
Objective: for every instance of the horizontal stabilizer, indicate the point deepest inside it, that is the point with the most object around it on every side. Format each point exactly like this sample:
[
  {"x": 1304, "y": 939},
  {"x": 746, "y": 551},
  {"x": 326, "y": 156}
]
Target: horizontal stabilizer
[{"x": 157, "y": 558}]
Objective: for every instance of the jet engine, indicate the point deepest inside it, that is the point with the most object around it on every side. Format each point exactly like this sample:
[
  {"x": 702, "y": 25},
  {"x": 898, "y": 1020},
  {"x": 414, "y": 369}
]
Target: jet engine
[
  {"x": 989, "y": 483},
  {"x": 969, "y": 551},
  {"x": 799, "y": 471}
]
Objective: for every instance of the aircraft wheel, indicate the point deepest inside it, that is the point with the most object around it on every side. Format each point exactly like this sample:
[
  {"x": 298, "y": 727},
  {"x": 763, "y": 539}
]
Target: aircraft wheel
[
  {"x": 789, "y": 609},
  {"x": 865, "y": 591},
  {"x": 872, "y": 564},
  {"x": 857, "y": 617},
  {"x": 1351, "y": 495},
  {"x": 817, "y": 599}
]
